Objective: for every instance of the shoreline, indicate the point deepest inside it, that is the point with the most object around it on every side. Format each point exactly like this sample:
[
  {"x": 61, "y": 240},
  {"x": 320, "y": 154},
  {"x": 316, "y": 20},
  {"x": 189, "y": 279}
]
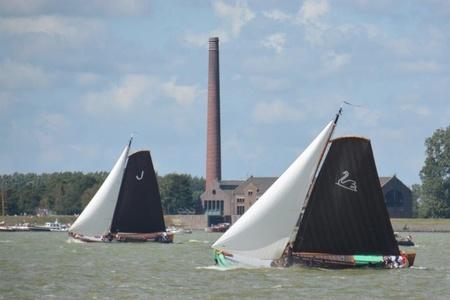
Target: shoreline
[
  {"x": 421, "y": 225},
  {"x": 399, "y": 225}
]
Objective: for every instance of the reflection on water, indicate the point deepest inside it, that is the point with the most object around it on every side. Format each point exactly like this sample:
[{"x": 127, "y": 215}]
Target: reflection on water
[{"x": 43, "y": 265}]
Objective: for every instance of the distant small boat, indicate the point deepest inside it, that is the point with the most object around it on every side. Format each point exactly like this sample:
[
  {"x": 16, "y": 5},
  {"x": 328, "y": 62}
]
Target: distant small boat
[
  {"x": 127, "y": 207},
  {"x": 327, "y": 210},
  {"x": 178, "y": 230},
  {"x": 4, "y": 228},
  {"x": 38, "y": 228},
  {"x": 221, "y": 227},
  {"x": 403, "y": 241},
  {"x": 25, "y": 227},
  {"x": 20, "y": 227},
  {"x": 56, "y": 226}
]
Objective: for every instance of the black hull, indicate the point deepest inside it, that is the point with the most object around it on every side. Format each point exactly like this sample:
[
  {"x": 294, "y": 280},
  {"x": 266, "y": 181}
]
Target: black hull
[{"x": 157, "y": 237}]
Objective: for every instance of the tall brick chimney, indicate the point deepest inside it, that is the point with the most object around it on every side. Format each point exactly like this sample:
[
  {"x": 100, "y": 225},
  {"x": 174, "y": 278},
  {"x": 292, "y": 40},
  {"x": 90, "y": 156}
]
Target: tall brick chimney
[{"x": 213, "y": 157}]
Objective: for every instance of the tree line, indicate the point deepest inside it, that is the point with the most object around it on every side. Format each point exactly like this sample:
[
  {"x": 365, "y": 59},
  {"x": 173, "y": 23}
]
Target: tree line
[
  {"x": 67, "y": 193},
  {"x": 432, "y": 197}
]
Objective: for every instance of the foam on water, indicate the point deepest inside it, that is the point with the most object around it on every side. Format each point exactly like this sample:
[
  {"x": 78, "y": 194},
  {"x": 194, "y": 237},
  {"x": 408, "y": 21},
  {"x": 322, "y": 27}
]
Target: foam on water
[
  {"x": 74, "y": 241},
  {"x": 197, "y": 241}
]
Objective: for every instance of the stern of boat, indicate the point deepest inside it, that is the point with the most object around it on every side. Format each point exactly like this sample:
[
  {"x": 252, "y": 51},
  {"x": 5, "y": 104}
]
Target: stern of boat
[{"x": 411, "y": 257}]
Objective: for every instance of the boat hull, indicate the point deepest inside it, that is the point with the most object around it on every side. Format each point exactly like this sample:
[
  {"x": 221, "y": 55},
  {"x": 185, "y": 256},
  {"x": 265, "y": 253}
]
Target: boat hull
[
  {"x": 334, "y": 261},
  {"x": 159, "y": 237}
]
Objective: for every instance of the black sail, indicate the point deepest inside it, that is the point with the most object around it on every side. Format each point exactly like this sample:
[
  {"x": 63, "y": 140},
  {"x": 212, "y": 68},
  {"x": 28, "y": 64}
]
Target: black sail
[
  {"x": 138, "y": 209},
  {"x": 346, "y": 213}
]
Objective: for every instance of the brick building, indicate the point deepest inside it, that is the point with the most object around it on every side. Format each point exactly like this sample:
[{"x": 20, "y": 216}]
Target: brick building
[{"x": 227, "y": 200}]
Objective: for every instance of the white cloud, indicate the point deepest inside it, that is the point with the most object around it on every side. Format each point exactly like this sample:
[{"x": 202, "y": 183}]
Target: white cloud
[
  {"x": 277, "y": 15},
  {"x": 275, "y": 41},
  {"x": 115, "y": 8},
  {"x": 73, "y": 30},
  {"x": 368, "y": 117},
  {"x": 17, "y": 75},
  {"x": 419, "y": 67},
  {"x": 86, "y": 78},
  {"x": 137, "y": 90},
  {"x": 402, "y": 46},
  {"x": 23, "y": 7},
  {"x": 276, "y": 111},
  {"x": 121, "y": 96},
  {"x": 196, "y": 39},
  {"x": 53, "y": 122},
  {"x": 233, "y": 19},
  {"x": 267, "y": 83},
  {"x": 332, "y": 62},
  {"x": 236, "y": 16},
  {"x": 121, "y": 7},
  {"x": 420, "y": 110},
  {"x": 183, "y": 94},
  {"x": 312, "y": 11},
  {"x": 310, "y": 17},
  {"x": 5, "y": 101},
  {"x": 238, "y": 145}
]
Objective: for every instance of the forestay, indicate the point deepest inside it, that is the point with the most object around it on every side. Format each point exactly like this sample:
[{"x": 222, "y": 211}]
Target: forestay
[
  {"x": 96, "y": 218},
  {"x": 263, "y": 232}
]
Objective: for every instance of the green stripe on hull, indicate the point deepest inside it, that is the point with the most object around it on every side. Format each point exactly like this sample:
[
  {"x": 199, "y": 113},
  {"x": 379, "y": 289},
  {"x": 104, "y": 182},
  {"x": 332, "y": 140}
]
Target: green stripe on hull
[
  {"x": 221, "y": 260},
  {"x": 368, "y": 259}
]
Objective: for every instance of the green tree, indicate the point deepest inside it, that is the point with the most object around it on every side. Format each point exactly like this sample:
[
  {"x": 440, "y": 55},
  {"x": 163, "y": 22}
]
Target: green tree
[
  {"x": 180, "y": 193},
  {"x": 176, "y": 192},
  {"x": 435, "y": 176}
]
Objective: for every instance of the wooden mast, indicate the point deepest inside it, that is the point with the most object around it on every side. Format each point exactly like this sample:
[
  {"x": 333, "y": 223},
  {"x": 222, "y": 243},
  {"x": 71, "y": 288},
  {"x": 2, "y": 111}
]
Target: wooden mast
[{"x": 294, "y": 232}]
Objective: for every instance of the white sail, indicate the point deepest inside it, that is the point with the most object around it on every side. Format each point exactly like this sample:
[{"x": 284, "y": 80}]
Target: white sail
[
  {"x": 96, "y": 217},
  {"x": 262, "y": 233}
]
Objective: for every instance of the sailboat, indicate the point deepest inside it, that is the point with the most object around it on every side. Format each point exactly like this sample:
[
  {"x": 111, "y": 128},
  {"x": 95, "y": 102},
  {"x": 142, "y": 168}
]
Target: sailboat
[
  {"x": 327, "y": 209},
  {"x": 127, "y": 206}
]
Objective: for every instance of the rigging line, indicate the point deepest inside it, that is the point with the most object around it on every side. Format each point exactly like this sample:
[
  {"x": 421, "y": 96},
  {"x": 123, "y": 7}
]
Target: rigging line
[{"x": 352, "y": 104}]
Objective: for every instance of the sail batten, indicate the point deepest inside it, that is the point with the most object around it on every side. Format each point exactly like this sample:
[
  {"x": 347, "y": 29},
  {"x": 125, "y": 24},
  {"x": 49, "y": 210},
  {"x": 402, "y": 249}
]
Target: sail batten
[
  {"x": 95, "y": 220},
  {"x": 264, "y": 230}
]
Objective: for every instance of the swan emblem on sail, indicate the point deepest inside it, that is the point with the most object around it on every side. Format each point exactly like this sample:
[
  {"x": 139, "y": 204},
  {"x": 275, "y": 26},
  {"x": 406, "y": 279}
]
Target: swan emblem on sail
[
  {"x": 140, "y": 177},
  {"x": 345, "y": 183}
]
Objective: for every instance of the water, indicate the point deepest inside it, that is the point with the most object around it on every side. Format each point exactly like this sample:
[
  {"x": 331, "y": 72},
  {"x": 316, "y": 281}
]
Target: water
[{"x": 45, "y": 265}]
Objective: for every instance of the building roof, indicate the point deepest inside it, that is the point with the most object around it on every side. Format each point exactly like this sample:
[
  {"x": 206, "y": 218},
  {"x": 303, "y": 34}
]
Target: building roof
[
  {"x": 385, "y": 179},
  {"x": 261, "y": 183},
  {"x": 229, "y": 184}
]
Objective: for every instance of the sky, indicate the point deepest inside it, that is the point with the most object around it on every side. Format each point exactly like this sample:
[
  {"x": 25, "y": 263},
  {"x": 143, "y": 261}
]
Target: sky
[{"x": 77, "y": 78}]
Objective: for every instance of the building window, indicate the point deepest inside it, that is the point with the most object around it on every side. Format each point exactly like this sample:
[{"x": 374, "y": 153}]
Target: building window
[
  {"x": 240, "y": 210},
  {"x": 394, "y": 199},
  {"x": 250, "y": 193},
  {"x": 240, "y": 200},
  {"x": 214, "y": 192}
]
